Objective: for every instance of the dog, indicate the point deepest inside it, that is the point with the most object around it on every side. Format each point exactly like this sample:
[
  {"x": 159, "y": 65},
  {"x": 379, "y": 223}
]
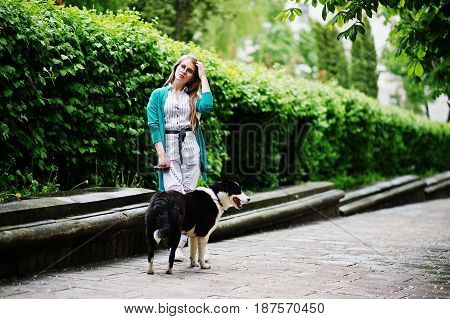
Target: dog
[{"x": 195, "y": 214}]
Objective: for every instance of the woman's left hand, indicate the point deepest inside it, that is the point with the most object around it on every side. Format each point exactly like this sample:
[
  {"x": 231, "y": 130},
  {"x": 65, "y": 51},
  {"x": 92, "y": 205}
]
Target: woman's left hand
[{"x": 201, "y": 69}]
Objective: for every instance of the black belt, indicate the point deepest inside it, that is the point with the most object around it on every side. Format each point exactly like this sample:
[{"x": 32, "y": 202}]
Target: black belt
[{"x": 181, "y": 136}]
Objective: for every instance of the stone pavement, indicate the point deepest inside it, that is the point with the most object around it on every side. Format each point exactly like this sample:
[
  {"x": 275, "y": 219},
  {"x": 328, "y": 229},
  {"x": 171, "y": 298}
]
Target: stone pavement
[{"x": 401, "y": 252}]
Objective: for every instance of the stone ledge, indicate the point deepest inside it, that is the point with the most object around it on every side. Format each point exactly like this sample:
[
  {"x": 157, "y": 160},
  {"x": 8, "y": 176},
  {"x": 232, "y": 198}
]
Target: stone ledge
[
  {"x": 88, "y": 201},
  {"x": 377, "y": 188},
  {"x": 438, "y": 186},
  {"x": 320, "y": 206},
  {"x": 283, "y": 195},
  {"x": 407, "y": 193}
]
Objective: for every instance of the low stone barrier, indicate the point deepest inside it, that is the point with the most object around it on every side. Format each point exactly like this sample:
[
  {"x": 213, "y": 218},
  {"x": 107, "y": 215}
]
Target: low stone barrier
[
  {"x": 398, "y": 191},
  {"x": 65, "y": 204},
  {"x": 438, "y": 186},
  {"x": 75, "y": 239},
  {"x": 319, "y": 206}
]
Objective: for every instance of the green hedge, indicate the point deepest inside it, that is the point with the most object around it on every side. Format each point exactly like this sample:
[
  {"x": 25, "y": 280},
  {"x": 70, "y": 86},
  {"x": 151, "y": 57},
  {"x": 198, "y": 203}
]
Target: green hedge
[{"x": 74, "y": 90}]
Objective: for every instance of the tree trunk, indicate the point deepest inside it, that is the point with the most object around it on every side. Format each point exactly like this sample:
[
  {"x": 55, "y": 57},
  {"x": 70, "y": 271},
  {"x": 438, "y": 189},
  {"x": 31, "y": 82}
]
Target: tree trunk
[
  {"x": 183, "y": 8},
  {"x": 427, "y": 109}
]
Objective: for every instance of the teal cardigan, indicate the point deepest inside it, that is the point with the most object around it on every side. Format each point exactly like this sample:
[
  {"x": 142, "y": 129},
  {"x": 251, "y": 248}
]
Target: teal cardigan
[{"x": 155, "y": 117}]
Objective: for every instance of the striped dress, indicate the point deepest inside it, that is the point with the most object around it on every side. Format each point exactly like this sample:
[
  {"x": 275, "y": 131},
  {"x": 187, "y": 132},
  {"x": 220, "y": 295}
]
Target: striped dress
[{"x": 177, "y": 116}]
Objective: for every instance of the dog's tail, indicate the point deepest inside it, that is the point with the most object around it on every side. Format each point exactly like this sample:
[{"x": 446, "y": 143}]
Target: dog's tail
[
  {"x": 167, "y": 217},
  {"x": 163, "y": 227}
]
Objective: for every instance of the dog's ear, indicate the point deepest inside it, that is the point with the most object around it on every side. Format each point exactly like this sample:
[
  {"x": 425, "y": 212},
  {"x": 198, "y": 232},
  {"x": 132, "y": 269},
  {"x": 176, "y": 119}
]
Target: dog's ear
[{"x": 228, "y": 181}]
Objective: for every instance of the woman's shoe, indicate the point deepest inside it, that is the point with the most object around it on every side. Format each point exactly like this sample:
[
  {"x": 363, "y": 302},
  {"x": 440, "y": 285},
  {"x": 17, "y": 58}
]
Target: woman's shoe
[{"x": 179, "y": 254}]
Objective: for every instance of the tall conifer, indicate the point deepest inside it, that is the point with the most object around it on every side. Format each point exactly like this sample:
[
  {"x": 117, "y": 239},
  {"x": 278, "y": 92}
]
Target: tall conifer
[{"x": 363, "y": 71}]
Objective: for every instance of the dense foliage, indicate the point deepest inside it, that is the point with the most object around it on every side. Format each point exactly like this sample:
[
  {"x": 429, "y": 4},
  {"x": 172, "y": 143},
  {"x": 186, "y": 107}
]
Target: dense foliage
[
  {"x": 75, "y": 85},
  {"x": 421, "y": 34}
]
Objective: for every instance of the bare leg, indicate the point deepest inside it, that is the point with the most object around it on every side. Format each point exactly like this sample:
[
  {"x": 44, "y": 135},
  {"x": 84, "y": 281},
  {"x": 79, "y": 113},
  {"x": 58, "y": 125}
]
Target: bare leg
[
  {"x": 201, "y": 252},
  {"x": 194, "y": 246}
]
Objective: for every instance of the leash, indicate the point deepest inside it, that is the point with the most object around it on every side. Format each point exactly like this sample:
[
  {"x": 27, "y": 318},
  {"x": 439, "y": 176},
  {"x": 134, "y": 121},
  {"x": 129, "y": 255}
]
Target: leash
[
  {"x": 186, "y": 190},
  {"x": 157, "y": 167}
]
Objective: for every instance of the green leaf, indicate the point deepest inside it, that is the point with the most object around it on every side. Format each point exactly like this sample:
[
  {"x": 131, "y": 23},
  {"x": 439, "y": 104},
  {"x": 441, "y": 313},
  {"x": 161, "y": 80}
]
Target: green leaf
[
  {"x": 340, "y": 21},
  {"x": 298, "y": 12},
  {"x": 292, "y": 16},
  {"x": 70, "y": 109},
  {"x": 418, "y": 69},
  {"x": 331, "y": 7},
  {"x": 7, "y": 93},
  {"x": 411, "y": 68},
  {"x": 280, "y": 15},
  {"x": 421, "y": 53},
  {"x": 324, "y": 13}
]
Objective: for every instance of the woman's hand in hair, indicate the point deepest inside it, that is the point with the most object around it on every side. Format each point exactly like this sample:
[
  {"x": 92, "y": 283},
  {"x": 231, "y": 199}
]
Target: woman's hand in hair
[{"x": 201, "y": 69}]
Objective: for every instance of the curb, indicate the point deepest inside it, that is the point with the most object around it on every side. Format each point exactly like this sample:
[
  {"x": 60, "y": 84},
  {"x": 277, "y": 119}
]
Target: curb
[
  {"x": 87, "y": 201},
  {"x": 438, "y": 186},
  {"x": 398, "y": 191},
  {"x": 318, "y": 206}
]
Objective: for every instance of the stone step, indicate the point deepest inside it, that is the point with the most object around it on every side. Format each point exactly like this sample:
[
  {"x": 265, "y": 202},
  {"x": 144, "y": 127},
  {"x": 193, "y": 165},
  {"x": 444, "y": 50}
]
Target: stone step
[
  {"x": 320, "y": 206},
  {"x": 371, "y": 199},
  {"x": 438, "y": 186},
  {"x": 283, "y": 195},
  {"x": 376, "y": 188},
  {"x": 70, "y": 204}
]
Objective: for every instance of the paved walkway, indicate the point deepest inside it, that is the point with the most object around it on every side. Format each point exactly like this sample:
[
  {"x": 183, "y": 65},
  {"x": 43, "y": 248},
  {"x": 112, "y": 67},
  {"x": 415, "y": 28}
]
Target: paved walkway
[{"x": 394, "y": 253}]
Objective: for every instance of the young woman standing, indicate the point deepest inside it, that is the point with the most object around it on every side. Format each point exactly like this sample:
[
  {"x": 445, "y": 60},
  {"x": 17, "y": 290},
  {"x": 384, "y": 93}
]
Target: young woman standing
[{"x": 172, "y": 119}]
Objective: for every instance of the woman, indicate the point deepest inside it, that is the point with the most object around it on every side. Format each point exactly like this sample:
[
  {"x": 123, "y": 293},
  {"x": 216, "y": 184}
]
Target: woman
[{"x": 175, "y": 131}]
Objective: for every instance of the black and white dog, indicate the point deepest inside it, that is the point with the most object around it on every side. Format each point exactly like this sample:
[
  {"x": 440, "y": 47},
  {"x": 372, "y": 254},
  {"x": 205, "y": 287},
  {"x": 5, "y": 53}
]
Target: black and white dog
[{"x": 195, "y": 214}]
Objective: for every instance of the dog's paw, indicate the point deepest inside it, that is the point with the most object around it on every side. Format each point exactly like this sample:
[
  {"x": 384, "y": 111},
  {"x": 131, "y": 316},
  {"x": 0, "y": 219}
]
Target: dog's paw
[
  {"x": 206, "y": 266},
  {"x": 194, "y": 264},
  {"x": 169, "y": 271}
]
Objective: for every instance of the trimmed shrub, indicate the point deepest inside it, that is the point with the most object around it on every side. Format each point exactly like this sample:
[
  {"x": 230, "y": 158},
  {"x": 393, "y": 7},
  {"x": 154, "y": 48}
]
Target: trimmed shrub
[{"x": 74, "y": 90}]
